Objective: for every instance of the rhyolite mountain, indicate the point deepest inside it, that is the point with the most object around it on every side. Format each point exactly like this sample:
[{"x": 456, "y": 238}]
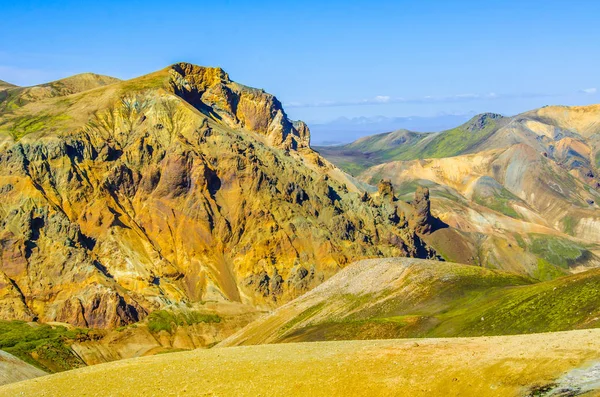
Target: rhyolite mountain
[
  {"x": 521, "y": 193},
  {"x": 118, "y": 198},
  {"x": 406, "y": 298}
]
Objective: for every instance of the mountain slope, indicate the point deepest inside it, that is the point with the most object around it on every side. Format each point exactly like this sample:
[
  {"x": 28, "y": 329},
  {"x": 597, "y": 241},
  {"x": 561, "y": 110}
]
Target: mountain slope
[
  {"x": 178, "y": 186},
  {"x": 497, "y": 366},
  {"x": 398, "y": 298},
  {"x": 5, "y": 85},
  {"x": 504, "y": 198},
  {"x": 372, "y": 150},
  {"x": 501, "y": 183},
  {"x": 14, "y": 97},
  {"x": 407, "y": 145},
  {"x": 542, "y": 129},
  {"x": 14, "y": 370}
]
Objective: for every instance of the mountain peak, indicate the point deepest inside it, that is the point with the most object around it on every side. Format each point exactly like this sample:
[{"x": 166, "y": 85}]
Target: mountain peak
[
  {"x": 210, "y": 90},
  {"x": 79, "y": 83},
  {"x": 208, "y": 74},
  {"x": 483, "y": 120}
]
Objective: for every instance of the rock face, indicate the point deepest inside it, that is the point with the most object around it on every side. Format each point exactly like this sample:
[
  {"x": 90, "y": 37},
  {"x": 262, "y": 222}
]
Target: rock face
[
  {"x": 178, "y": 186},
  {"x": 211, "y": 91},
  {"x": 421, "y": 220}
]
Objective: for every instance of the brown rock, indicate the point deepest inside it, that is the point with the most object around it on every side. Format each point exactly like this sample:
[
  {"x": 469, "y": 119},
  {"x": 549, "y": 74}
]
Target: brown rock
[{"x": 421, "y": 218}]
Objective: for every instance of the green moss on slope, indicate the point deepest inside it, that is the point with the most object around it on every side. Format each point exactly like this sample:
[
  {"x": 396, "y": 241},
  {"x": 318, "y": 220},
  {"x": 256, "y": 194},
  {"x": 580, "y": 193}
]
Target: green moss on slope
[
  {"x": 44, "y": 346},
  {"x": 547, "y": 271},
  {"x": 499, "y": 202},
  {"x": 20, "y": 126},
  {"x": 456, "y": 300},
  {"x": 566, "y": 303},
  {"x": 558, "y": 251},
  {"x": 167, "y": 320},
  {"x": 453, "y": 142}
]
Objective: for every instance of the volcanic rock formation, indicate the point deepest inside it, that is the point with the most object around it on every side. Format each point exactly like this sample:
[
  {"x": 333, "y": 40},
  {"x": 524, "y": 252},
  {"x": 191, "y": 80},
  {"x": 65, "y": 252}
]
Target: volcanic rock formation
[{"x": 118, "y": 198}]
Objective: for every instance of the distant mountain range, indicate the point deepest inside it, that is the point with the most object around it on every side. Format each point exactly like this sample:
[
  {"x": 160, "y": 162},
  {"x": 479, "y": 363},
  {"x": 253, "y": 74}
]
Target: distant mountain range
[
  {"x": 522, "y": 191},
  {"x": 344, "y": 130}
]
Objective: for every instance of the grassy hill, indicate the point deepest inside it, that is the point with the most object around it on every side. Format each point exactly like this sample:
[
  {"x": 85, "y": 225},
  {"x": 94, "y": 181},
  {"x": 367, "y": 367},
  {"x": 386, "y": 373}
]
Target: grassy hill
[
  {"x": 407, "y": 145},
  {"x": 399, "y": 298},
  {"x": 496, "y": 366}
]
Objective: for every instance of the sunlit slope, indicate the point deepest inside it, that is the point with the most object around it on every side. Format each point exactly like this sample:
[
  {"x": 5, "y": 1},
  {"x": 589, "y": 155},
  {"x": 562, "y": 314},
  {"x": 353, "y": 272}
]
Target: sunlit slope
[
  {"x": 495, "y": 366},
  {"x": 397, "y": 298},
  {"x": 180, "y": 186},
  {"x": 14, "y": 370}
]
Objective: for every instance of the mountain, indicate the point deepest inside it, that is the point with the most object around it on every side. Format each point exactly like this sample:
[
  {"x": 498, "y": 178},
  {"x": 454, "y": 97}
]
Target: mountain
[
  {"x": 344, "y": 130},
  {"x": 371, "y": 150},
  {"x": 520, "y": 193},
  {"x": 542, "y": 129},
  {"x": 120, "y": 198},
  {"x": 407, "y": 298},
  {"x": 14, "y": 97}
]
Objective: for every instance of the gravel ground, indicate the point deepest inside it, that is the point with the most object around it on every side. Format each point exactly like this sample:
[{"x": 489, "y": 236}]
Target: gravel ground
[{"x": 486, "y": 366}]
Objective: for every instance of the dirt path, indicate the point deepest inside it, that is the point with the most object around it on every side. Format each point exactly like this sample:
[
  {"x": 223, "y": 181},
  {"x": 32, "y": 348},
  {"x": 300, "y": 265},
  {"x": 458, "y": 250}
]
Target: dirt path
[{"x": 487, "y": 366}]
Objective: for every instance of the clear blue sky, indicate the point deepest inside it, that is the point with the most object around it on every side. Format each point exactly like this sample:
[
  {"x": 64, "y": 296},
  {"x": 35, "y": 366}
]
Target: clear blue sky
[{"x": 343, "y": 58}]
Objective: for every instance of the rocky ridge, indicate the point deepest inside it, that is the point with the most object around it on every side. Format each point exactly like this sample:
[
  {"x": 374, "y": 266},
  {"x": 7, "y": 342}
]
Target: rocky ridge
[{"x": 178, "y": 186}]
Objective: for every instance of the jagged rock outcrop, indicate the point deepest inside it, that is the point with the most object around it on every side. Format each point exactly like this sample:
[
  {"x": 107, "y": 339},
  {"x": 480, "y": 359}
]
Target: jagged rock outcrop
[
  {"x": 178, "y": 186},
  {"x": 210, "y": 90},
  {"x": 421, "y": 219}
]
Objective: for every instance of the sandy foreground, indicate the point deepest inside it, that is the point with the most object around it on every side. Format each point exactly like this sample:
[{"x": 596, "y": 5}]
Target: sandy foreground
[{"x": 485, "y": 366}]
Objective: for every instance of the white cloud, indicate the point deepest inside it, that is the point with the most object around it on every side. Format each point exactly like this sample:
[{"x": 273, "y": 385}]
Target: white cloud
[
  {"x": 382, "y": 98},
  {"x": 589, "y": 90}
]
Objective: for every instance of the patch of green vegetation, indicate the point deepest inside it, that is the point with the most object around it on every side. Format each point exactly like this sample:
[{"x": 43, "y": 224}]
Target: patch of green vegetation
[
  {"x": 9, "y": 100},
  {"x": 18, "y": 127},
  {"x": 306, "y": 314},
  {"x": 566, "y": 303},
  {"x": 557, "y": 251},
  {"x": 499, "y": 201},
  {"x": 597, "y": 159},
  {"x": 449, "y": 143},
  {"x": 167, "y": 320},
  {"x": 148, "y": 82},
  {"x": 44, "y": 346},
  {"x": 458, "y": 300},
  {"x": 436, "y": 191},
  {"x": 353, "y": 301},
  {"x": 453, "y": 285},
  {"x": 547, "y": 271},
  {"x": 520, "y": 242},
  {"x": 353, "y": 167},
  {"x": 407, "y": 188},
  {"x": 351, "y": 161},
  {"x": 569, "y": 224},
  {"x": 372, "y": 328}
]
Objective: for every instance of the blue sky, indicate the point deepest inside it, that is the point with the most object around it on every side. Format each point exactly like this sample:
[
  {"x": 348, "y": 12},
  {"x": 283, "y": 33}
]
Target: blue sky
[{"x": 342, "y": 58}]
